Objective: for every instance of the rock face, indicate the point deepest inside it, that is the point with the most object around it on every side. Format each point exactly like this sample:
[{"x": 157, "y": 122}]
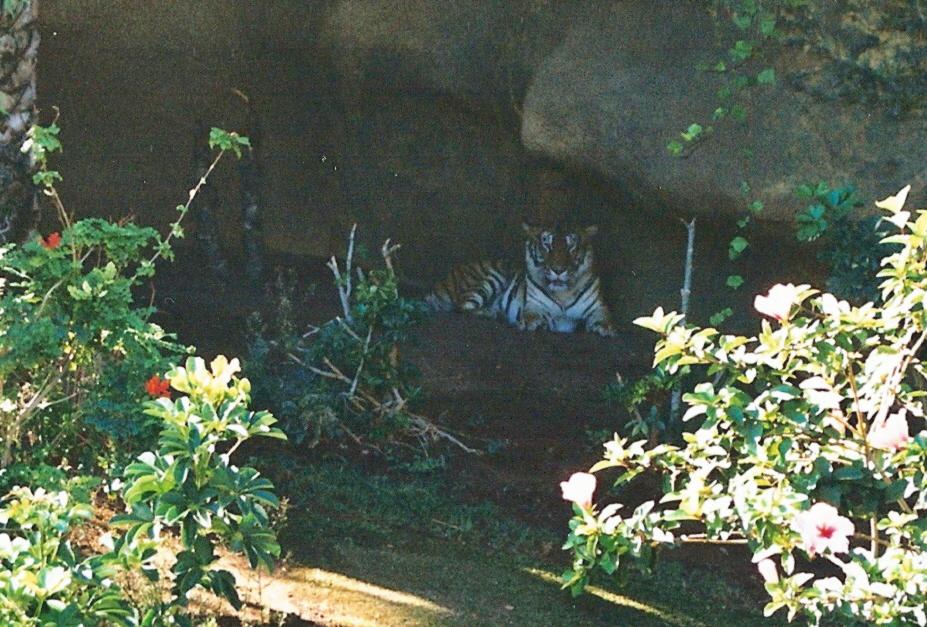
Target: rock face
[
  {"x": 602, "y": 86},
  {"x": 443, "y": 124}
]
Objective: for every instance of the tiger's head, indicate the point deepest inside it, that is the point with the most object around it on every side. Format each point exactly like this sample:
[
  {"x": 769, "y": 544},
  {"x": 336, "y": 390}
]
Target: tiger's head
[{"x": 557, "y": 259}]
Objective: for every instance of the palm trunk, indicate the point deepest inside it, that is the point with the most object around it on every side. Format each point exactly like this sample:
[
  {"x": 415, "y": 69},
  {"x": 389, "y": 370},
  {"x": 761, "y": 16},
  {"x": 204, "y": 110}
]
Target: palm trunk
[{"x": 19, "y": 47}]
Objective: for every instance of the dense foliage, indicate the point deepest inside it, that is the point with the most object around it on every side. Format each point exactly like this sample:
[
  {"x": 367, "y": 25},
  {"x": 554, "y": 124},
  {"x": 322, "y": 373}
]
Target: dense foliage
[
  {"x": 850, "y": 246},
  {"x": 803, "y": 452},
  {"x": 77, "y": 350},
  {"x": 186, "y": 484},
  {"x": 78, "y": 359},
  {"x": 345, "y": 380}
]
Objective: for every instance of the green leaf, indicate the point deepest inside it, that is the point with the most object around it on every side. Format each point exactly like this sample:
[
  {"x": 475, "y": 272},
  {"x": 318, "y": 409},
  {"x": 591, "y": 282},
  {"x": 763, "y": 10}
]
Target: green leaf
[
  {"x": 742, "y": 22},
  {"x": 736, "y": 247},
  {"x": 741, "y": 51},
  {"x": 766, "y": 77},
  {"x": 692, "y": 133},
  {"x": 768, "y": 25},
  {"x": 718, "y": 318},
  {"x": 734, "y": 281}
]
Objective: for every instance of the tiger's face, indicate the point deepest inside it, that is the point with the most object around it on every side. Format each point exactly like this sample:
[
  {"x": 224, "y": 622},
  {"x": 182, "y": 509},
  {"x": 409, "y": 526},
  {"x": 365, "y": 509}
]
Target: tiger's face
[{"x": 555, "y": 258}]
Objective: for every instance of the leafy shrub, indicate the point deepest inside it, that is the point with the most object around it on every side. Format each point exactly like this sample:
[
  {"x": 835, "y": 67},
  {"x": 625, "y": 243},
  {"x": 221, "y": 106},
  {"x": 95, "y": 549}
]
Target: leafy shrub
[
  {"x": 190, "y": 485},
  {"x": 803, "y": 452},
  {"x": 75, "y": 349},
  {"x": 187, "y": 484},
  {"x": 76, "y": 362},
  {"x": 345, "y": 380},
  {"x": 850, "y": 247}
]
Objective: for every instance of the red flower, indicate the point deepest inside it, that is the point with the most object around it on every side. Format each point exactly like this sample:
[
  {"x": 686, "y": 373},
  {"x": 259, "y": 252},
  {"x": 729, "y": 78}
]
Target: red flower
[
  {"x": 51, "y": 242},
  {"x": 157, "y": 387}
]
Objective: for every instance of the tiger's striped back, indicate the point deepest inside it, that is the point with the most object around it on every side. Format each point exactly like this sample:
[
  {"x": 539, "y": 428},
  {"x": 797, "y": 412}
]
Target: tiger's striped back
[
  {"x": 556, "y": 289},
  {"x": 474, "y": 286}
]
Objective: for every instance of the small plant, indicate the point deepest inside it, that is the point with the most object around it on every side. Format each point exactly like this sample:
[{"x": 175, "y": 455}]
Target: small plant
[
  {"x": 804, "y": 451},
  {"x": 190, "y": 483},
  {"x": 76, "y": 350},
  {"x": 346, "y": 379},
  {"x": 646, "y": 401},
  {"x": 851, "y": 247}
]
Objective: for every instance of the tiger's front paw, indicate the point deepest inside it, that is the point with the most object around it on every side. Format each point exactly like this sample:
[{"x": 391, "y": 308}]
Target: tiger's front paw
[{"x": 530, "y": 322}]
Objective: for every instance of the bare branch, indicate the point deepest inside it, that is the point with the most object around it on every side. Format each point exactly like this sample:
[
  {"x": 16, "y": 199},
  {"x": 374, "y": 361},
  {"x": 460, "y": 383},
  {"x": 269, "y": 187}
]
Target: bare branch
[{"x": 684, "y": 294}]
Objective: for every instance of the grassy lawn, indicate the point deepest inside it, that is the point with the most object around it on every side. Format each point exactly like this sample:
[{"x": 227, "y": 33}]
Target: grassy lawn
[{"x": 368, "y": 549}]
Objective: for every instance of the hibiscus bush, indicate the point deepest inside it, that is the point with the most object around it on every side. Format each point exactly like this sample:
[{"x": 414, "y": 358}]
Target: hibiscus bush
[
  {"x": 810, "y": 450},
  {"x": 188, "y": 484},
  {"x": 76, "y": 349}
]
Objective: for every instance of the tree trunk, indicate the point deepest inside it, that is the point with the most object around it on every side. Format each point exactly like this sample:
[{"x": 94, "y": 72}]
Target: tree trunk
[{"x": 19, "y": 47}]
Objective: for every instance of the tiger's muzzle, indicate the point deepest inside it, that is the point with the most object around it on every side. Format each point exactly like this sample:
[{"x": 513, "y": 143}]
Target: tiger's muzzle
[{"x": 557, "y": 281}]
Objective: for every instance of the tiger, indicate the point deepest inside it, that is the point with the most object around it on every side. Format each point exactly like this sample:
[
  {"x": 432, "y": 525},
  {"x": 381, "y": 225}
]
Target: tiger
[{"x": 556, "y": 289}]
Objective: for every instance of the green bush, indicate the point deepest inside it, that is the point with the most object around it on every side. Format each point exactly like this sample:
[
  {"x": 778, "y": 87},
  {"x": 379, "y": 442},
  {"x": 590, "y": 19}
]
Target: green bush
[
  {"x": 850, "y": 247},
  {"x": 191, "y": 484},
  {"x": 803, "y": 452},
  {"x": 187, "y": 484},
  {"x": 78, "y": 359},
  {"x": 76, "y": 350},
  {"x": 344, "y": 380}
]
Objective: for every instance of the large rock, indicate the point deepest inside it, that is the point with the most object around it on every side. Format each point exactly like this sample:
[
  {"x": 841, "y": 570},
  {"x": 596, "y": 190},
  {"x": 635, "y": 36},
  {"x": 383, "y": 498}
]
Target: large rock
[
  {"x": 601, "y": 87},
  {"x": 622, "y": 84},
  {"x": 445, "y": 124}
]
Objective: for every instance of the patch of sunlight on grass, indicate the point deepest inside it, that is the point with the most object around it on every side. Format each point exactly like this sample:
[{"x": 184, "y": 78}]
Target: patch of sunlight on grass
[
  {"x": 669, "y": 616},
  {"x": 329, "y": 598},
  {"x": 334, "y": 580}
]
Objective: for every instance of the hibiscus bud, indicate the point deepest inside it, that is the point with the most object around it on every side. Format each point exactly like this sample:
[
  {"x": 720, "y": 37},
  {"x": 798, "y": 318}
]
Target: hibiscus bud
[
  {"x": 890, "y": 434},
  {"x": 778, "y": 302},
  {"x": 579, "y": 489}
]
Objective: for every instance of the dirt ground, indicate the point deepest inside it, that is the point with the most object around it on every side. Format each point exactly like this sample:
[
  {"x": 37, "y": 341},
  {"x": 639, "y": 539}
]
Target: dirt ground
[{"x": 534, "y": 399}]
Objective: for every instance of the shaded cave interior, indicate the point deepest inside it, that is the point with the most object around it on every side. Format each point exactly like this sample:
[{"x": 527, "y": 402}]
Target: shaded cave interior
[{"x": 444, "y": 174}]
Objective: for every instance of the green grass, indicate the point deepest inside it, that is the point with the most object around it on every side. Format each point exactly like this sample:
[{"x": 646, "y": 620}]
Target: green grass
[{"x": 407, "y": 550}]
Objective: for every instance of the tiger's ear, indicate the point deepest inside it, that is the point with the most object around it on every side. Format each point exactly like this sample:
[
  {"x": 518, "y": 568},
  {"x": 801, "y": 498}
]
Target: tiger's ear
[
  {"x": 531, "y": 230},
  {"x": 590, "y": 231}
]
